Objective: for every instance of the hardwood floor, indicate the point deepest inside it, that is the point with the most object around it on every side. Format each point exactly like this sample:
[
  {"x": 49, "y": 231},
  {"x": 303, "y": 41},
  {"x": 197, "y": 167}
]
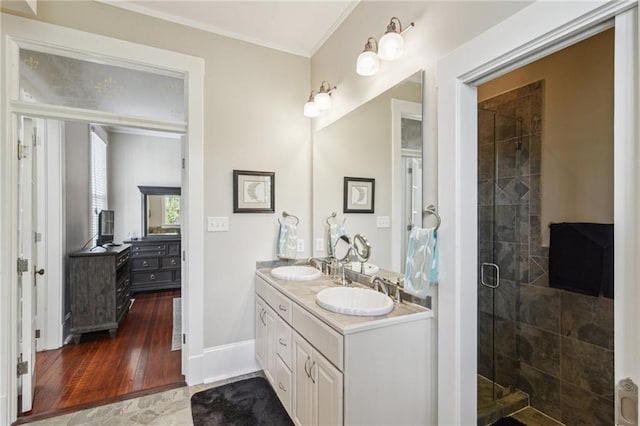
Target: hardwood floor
[{"x": 101, "y": 369}]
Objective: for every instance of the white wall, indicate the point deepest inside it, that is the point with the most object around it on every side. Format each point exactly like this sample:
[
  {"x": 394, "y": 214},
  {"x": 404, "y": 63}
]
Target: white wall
[
  {"x": 139, "y": 160},
  {"x": 253, "y": 102},
  {"x": 577, "y": 141}
]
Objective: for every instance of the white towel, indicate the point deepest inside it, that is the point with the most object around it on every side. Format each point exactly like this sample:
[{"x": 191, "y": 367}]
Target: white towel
[
  {"x": 287, "y": 241},
  {"x": 334, "y": 231},
  {"x": 421, "y": 268}
]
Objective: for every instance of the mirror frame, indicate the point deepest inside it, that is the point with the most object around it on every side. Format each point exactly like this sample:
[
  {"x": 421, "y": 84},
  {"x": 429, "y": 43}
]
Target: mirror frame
[{"x": 156, "y": 190}]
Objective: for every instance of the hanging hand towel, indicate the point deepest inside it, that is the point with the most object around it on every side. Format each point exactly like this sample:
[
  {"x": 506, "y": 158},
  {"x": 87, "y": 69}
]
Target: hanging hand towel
[
  {"x": 421, "y": 268},
  {"x": 287, "y": 240},
  {"x": 334, "y": 231}
]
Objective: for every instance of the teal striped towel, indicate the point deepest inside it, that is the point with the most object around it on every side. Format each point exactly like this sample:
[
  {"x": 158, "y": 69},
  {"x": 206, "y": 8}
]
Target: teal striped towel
[
  {"x": 421, "y": 269},
  {"x": 287, "y": 241}
]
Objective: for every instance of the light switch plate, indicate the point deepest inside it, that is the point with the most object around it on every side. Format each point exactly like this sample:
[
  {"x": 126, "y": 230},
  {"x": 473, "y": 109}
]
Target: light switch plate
[
  {"x": 300, "y": 247},
  {"x": 383, "y": 221},
  {"x": 217, "y": 224},
  {"x": 319, "y": 244}
]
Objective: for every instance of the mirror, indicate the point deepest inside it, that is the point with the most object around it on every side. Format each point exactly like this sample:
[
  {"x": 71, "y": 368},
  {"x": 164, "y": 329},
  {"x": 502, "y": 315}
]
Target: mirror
[
  {"x": 380, "y": 141},
  {"x": 160, "y": 211}
]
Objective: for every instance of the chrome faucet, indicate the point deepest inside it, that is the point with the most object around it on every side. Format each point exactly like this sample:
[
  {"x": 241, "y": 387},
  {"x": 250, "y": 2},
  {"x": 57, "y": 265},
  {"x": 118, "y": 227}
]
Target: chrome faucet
[
  {"x": 379, "y": 284},
  {"x": 319, "y": 264}
]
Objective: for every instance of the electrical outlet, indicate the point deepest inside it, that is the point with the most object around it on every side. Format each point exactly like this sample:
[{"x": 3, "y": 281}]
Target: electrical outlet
[
  {"x": 217, "y": 224},
  {"x": 319, "y": 244},
  {"x": 300, "y": 247}
]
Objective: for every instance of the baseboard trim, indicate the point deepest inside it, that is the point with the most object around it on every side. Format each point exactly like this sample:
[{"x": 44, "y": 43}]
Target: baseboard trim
[{"x": 226, "y": 361}]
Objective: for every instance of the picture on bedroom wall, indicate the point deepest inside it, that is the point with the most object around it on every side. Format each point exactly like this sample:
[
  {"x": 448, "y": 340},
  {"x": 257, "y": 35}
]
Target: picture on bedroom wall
[
  {"x": 359, "y": 195},
  {"x": 253, "y": 192}
]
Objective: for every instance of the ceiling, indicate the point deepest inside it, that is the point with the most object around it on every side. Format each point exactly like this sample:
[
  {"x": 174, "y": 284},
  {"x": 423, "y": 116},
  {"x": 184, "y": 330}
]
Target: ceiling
[{"x": 299, "y": 27}]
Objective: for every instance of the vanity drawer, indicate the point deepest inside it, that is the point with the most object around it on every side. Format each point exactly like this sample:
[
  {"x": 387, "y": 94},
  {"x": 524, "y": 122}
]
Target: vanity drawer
[
  {"x": 156, "y": 276},
  {"x": 143, "y": 264},
  {"x": 268, "y": 293},
  {"x": 170, "y": 262},
  {"x": 283, "y": 306},
  {"x": 326, "y": 340},
  {"x": 284, "y": 385},
  {"x": 285, "y": 342}
]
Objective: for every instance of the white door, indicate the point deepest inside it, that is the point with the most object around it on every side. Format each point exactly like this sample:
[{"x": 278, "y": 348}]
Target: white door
[{"x": 27, "y": 253}]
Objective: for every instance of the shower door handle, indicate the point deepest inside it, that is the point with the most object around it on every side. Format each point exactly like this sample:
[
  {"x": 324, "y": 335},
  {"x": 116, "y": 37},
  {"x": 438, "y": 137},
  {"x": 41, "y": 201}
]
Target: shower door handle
[{"x": 491, "y": 265}]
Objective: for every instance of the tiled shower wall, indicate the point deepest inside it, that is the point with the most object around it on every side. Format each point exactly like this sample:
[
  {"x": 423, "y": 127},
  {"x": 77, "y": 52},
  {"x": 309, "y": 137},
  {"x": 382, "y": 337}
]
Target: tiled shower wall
[{"x": 555, "y": 345}]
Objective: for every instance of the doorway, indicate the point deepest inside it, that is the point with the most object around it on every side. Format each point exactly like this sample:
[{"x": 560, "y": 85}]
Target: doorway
[{"x": 44, "y": 37}]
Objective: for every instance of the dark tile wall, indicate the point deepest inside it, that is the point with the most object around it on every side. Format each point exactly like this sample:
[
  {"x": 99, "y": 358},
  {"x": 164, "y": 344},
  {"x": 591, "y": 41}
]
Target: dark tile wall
[{"x": 555, "y": 345}]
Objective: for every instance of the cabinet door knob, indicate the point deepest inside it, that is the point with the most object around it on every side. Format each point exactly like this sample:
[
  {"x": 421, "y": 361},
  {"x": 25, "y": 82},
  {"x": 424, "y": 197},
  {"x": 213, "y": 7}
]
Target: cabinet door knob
[
  {"x": 311, "y": 372},
  {"x": 282, "y": 342},
  {"x": 281, "y": 386},
  {"x": 173, "y": 262},
  {"x": 282, "y": 308},
  {"x": 305, "y": 367},
  {"x": 145, "y": 264},
  {"x": 152, "y": 277}
]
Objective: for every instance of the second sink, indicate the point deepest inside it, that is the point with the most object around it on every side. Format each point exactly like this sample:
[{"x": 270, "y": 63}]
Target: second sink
[{"x": 354, "y": 301}]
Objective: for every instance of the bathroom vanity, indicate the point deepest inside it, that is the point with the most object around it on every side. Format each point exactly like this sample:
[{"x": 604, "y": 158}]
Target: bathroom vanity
[{"x": 330, "y": 368}]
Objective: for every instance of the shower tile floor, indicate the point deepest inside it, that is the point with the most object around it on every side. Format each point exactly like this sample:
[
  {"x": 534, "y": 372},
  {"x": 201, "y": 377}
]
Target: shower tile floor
[{"x": 510, "y": 404}]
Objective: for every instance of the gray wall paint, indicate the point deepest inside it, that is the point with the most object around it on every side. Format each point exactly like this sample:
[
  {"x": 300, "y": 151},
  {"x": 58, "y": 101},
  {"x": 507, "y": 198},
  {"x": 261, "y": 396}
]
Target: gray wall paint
[
  {"x": 77, "y": 184},
  {"x": 138, "y": 160}
]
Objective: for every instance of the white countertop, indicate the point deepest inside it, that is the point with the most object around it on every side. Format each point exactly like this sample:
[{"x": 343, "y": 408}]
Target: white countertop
[{"x": 304, "y": 294}]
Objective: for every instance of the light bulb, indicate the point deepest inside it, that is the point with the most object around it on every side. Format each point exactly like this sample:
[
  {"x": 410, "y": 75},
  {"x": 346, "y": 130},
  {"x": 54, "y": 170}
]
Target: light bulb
[
  {"x": 322, "y": 101},
  {"x": 390, "y": 46},
  {"x": 368, "y": 63},
  {"x": 311, "y": 109}
]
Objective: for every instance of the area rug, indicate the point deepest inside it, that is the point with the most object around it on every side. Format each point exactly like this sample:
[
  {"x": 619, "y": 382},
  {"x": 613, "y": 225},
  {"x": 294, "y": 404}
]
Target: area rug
[
  {"x": 245, "y": 403},
  {"x": 176, "y": 336}
]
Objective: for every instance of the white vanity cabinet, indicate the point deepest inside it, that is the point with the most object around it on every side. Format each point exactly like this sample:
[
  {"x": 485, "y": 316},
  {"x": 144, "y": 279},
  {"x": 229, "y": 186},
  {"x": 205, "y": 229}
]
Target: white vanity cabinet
[
  {"x": 332, "y": 369},
  {"x": 266, "y": 339}
]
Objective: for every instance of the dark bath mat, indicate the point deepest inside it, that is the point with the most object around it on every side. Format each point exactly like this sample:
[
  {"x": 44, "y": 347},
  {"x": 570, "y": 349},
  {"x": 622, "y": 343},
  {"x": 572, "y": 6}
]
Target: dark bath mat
[
  {"x": 508, "y": 421},
  {"x": 244, "y": 403}
]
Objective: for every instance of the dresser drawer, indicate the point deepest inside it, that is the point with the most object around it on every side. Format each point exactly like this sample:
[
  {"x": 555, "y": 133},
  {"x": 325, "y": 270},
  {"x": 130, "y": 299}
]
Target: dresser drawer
[
  {"x": 170, "y": 262},
  {"x": 149, "y": 247},
  {"x": 173, "y": 249},
  {"x": 156, "y": 276},
  {"x": 285, "y": 341},
  {"x": 144, "y": 264},
  {"x": 147, "y": 253}
]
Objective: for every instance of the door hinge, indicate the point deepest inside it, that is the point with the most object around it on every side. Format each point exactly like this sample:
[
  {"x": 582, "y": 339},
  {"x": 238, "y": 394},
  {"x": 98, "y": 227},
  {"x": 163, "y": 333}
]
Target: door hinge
[
  {"x": 23, "y": 366},
  {"x": 23, "y": 265},
  {"x": 38, "y": 237},
  {"x": 184, "y": 339},
  {"x": 410, "y": 170},
  {"x": 37, "y": 334},
  {"x": 34, "y": 138},
  {"x": 184, "y": 255},
  {"x": 23, "y": 151},
  {"x": 183, "y": 163}
]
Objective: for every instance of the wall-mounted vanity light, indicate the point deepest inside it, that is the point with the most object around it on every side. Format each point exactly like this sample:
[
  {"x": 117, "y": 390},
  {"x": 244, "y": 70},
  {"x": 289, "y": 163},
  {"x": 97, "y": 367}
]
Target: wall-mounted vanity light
[
  {"x": 389, "y": 48},
  {"x": 319, "y": 101}
]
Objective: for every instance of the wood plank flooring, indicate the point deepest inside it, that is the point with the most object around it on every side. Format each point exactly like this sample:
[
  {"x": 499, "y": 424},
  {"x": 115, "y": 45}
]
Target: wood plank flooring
[{"x": 101, "y": 369}]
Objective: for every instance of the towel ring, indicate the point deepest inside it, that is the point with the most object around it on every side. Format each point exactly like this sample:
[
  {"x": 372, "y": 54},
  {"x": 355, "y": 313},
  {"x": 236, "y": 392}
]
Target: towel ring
[
  {"x": 285, "y": 215},
  {"x": 334, "y": 216},
  {"x": 431, "y": 209}
]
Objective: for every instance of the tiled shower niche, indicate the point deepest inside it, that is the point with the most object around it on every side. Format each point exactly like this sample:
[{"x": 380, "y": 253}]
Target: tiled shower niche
[{"x": 555, "y": 345}]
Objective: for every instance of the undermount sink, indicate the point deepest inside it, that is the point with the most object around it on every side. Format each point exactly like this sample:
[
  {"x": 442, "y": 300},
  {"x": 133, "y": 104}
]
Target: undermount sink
[
  {"x": 369, "y": 268},
  {"x": 295, "y": 273},
  {"x": 354, "y": 301}
]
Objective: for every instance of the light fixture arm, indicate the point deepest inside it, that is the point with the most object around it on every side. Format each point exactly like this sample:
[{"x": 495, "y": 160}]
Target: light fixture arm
[
  {"x": 371, "y": 45},
  {"x": 393, "y": 28},
  {"x": 325, "y": 87}
]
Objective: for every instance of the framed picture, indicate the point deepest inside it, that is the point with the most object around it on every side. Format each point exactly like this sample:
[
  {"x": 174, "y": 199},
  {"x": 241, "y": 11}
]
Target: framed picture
[
  {"x": 359, "y": 195},
  {"x": 253, "y": 192}
]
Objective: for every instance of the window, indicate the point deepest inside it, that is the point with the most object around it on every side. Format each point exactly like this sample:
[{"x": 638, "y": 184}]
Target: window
[
  {"x": 170, "y": 210},
  {"x": 98, "y": 196}
]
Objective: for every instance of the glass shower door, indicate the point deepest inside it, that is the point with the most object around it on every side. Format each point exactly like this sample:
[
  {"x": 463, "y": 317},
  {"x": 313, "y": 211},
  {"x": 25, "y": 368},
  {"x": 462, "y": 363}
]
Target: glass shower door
[{"x": 499, "y": 146}]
